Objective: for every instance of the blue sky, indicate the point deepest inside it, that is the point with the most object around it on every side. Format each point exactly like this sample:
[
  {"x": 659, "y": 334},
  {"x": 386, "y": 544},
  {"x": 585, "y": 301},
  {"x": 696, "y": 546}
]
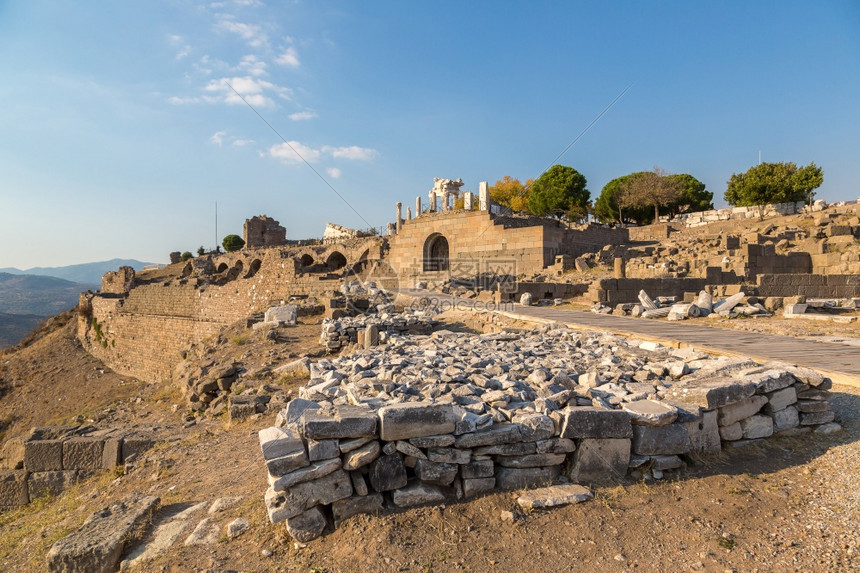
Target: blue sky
[{"x": 119, "y": 132}]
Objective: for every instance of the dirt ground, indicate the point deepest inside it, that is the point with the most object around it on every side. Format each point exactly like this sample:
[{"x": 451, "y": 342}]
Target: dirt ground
[{"x": 786, "y": 505}]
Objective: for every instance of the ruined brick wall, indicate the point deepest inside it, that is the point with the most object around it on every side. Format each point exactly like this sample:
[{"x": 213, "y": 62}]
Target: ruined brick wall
[
  {"x": 263, "y": 231},
  {"x": 810, "y": 285},
  {"x": 118, "y": 282},
  {"x": 143, "y": 333},
  {"x": 762, "y": 259},
  {"x": 616, "y": 291}
]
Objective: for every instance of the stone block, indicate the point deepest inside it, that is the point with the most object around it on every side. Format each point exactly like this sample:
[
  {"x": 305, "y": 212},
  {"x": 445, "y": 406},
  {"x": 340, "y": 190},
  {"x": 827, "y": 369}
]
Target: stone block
[
  {"x": 322, "y": 450},
  {"x": 662, "y": 440},
  {"x": 477, "y": 486},
  {"x": 554, "y": 496},
  {"x": 41, "y": 484},
  {"x": 477, "y": 469},
  {"x": 588, "y": 422},
  {"x": 438, "y": 473},
  {"x": 731, "y": 433},
  {"x": 807, "y": 406},
  {"x": 650, "y": 412},
  {"x": 135, "y": 446},
  {"x": 417, "y": 493},
  {"x": 362, "y": 456},
  {"x": 415, "y": 419},
  {"x": 530, "y": 460},
  {"x": 780, "y": 399},
  {"x": 712, "y": 392},
  {"x": 359, "y": 484},
  {"x": 43, "y": 455},
  {"x": 555, "y": 446},
  {"x": 785, "y": 419},
  {"x": 442, "y": 441},
  {"x": 282, "y": 314},
  {"x": 112, "y": 453},
  {"x": 600, "y": 460},
  {"x": 294, "y": 410},
  {"x": 520, "y": 478},
  {"x": 83, "y": 454},
  {"x": 286, "y": 504},
  {"x": 344, "y": 422},
  {"x": 13, "y": 488},
  {"x": 736, "y": 412},
  {"x": 12, "y": 454},
  {"x": 283, "y": 450},
  {"x": 388, "y": 473},
  {"x": 449, "y": 455},
  {"x": 494, "y": 435},
  {"x": 771, "y": 380},
  {"x": 309, "y": 473},
  {"x": 345, "y": 508},
  {"x": 758, "y": 426},
  {"x": 307, "y": 525},
  {"x": 815, "y": 418},
  {"x": 96, "y": 547},
  {"x": 704, "y": 434}
]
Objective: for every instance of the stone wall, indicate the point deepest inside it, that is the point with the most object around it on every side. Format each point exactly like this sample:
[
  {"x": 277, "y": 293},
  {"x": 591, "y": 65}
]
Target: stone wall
[
  {"x": 431, "y": 420},
  {"x": 480, "y": 242},
  {"x": 51, "y": 459},
  {"x": 263, "y": 231},
  {"x": 616, "y": 291},
  {"x": 700, "y": 218},
  {"x": 809, "y": 285},
  {"x": 143, "y": 332}
]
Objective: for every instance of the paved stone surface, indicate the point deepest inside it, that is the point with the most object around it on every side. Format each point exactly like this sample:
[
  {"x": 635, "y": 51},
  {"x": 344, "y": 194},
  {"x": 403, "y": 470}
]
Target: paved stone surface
[{"x": 839, "y": 361}]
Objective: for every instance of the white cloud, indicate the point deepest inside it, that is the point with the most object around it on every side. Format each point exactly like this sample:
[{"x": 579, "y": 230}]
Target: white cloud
[
  {"x": 302, "y": 115},
  {"x": 288, "y": 152},
  {"x": 218, "y": 138},
  {"x": 242, "y": 142},
  {"x": 251, "y": 33},
  {"x": 178, "y": 42},
  {"x": 176, "y": 100},
  {"x": 285, "y": 152},
  {"x": 353, "y": 152},
  {"x": 333, "y": 172},
  {"x": 253, "y": 65},
  {"x": 254, "y": 90},
  {"x": 289, "y": 58}
]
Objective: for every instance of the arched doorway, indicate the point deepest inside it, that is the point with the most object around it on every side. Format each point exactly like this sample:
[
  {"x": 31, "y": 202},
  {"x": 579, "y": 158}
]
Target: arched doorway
[
  {"x": 306, "y": 260},
  {"x": 436, "y": 253},
  {"x": 335, "y": 261}
]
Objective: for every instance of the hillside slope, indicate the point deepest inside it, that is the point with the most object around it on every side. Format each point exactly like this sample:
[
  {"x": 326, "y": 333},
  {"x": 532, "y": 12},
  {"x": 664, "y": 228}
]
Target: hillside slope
[
  {"x": 88, "y": 273},
  {"x": 38, "y": 295}
]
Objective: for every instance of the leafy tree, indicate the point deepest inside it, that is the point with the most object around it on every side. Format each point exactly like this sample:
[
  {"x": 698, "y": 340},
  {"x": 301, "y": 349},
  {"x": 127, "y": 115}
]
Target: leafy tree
[
  {"x": 186, "y": 256},
  {"x": 232, "y": 243},
  {"x": 694, "y": 196},
  {"x": 773, "y": 183},
  {"x": 558, "y": 190},
  {"x": 201, "y": 251},
  {"x": 511, "y": 193},
  {"x": 607, "y": 209},
  {"x": 650, "y": 189}
]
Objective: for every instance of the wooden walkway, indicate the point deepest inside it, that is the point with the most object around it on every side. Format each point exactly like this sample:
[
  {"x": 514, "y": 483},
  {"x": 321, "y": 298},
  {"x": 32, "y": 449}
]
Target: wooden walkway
[{"x": 838, "y": 361}]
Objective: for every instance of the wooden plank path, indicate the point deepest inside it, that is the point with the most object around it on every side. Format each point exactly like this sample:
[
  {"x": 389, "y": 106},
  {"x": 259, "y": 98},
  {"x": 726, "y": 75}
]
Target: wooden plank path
[{"x": 838, "y": 361}]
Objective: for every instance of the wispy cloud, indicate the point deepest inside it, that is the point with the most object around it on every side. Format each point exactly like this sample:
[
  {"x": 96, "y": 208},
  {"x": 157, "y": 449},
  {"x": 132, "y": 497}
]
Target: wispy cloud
[
  {"x": 253, "y": 65},
  {"x": 218, "y": 138},
  {"x": 353, "y": 152},
  {"x": 176, "y": 100},
  {"x": 242, "y": 142},
  {"x": 333, "y": 172},
  {"x": 287, "y": 152},
  {"x": 183, "y": 49},
  {"x": 256, "y": 91},
  {"x": 289, "y": 58},
  {"x": 251, "y": 33},
  {"x": 302, "y": 115}
]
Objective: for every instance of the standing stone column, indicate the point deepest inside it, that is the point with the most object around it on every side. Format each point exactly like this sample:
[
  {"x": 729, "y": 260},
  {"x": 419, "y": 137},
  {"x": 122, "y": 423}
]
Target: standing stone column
[
  {"x": 392, "y": 228},
  {"x": 399, "y": 219},
  {"x": 409, "y": 213},
  {"x": 467, "y": 200},
  {"x": 484, "y": 195},
  {"x": 418, "y": 206},
  {"x": 445, "y": 200},
  {"x": 432, "y": 208},
  {"x": 619, "y": 268}
]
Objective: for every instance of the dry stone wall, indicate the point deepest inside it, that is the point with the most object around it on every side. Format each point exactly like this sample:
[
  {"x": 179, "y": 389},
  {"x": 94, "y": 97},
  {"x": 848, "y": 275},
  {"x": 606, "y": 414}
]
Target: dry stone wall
[
  {"x": 428, "y": 419},
  {"x": 51, "y": 459}
]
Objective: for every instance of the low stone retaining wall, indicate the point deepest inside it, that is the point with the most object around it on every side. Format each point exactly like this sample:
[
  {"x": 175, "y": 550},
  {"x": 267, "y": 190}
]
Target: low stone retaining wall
[
  {"x": 51, "y": 459},
  {"x": 371, "y": 329},
  {"x": 427, "y": 419}
]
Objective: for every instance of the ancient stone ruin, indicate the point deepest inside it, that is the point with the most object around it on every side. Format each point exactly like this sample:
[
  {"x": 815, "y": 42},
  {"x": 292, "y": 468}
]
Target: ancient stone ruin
[
  {"x": 429, "y": 419},
  {"x": 262, "y": 231}
]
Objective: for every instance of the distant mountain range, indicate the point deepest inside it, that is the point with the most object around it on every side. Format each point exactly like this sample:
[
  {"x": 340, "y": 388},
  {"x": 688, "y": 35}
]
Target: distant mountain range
[
  {"x": 28, "y": 297},
  {"x": 87, "y": 273}
]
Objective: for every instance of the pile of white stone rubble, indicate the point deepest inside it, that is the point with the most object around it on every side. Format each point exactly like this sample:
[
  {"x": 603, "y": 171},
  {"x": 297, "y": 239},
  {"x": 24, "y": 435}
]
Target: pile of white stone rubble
[
  {"x": 427, "y": 419},
  {"x": 371, "y": 329},
  {"x": 670, "y": 309}
]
